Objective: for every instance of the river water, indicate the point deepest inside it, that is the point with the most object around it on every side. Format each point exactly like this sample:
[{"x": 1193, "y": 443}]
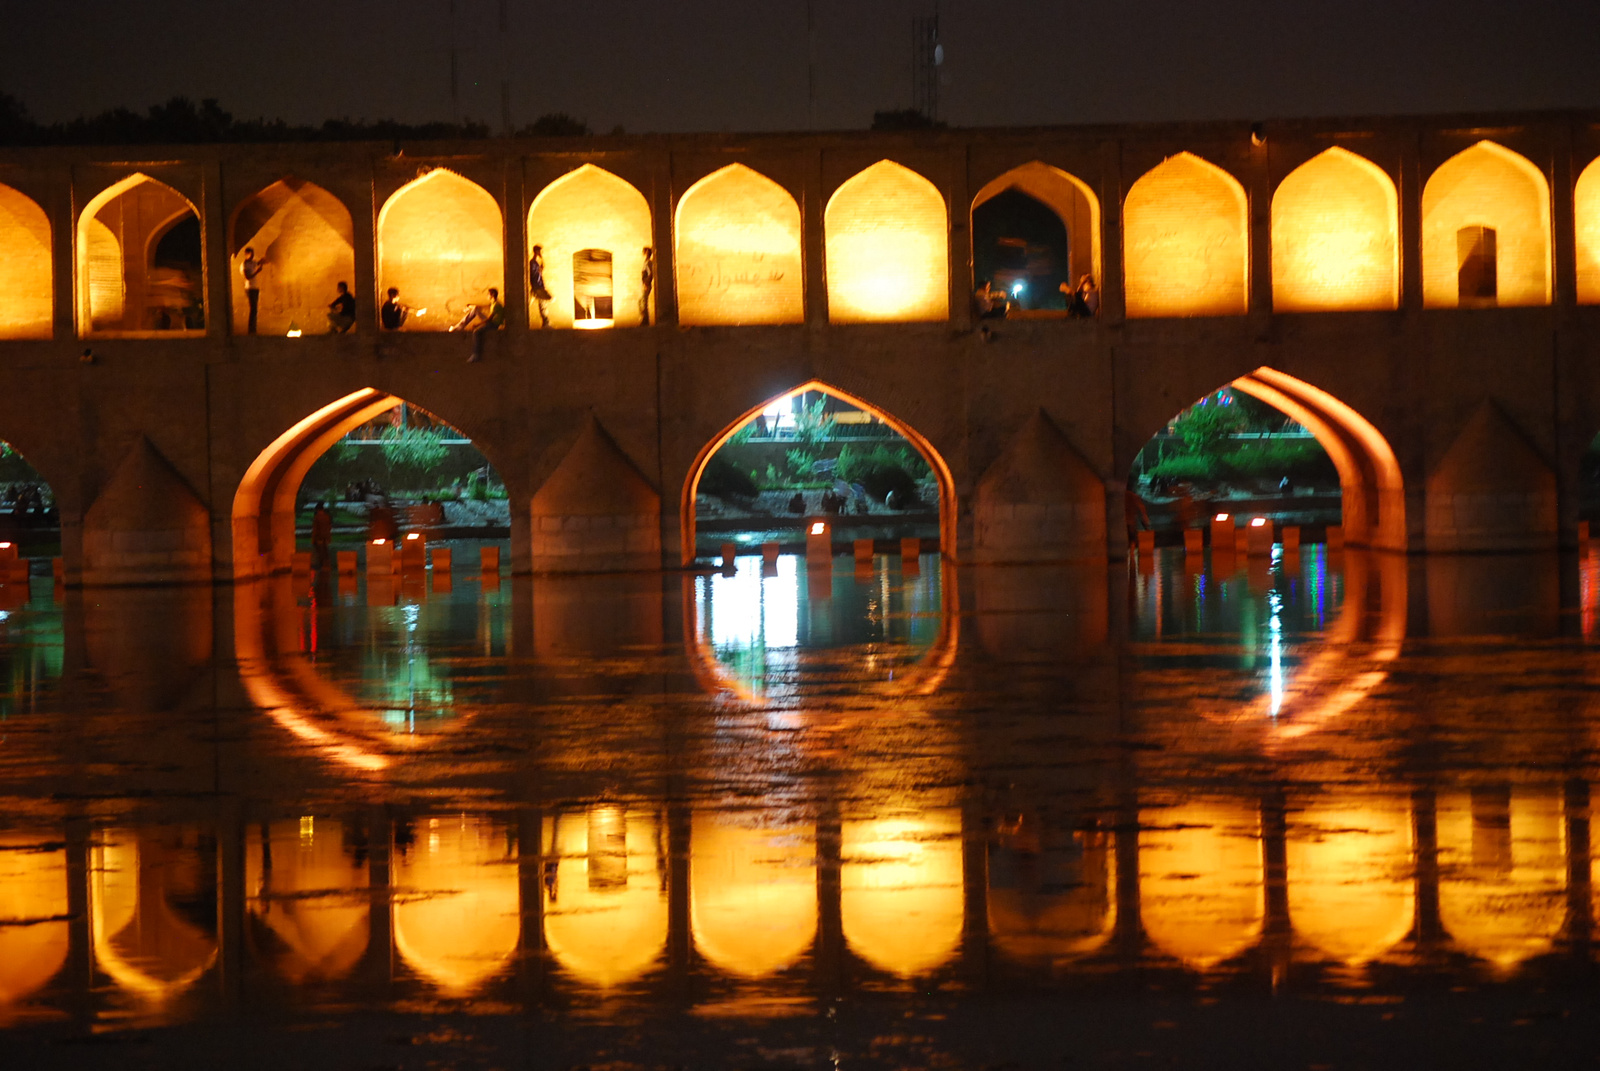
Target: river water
[{"x": 1322, "y": 810}]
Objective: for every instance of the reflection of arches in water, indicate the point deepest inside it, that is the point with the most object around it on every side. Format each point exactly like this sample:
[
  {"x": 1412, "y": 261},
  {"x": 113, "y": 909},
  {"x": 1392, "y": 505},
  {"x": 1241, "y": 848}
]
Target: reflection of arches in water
[
  {"x": 752, "y": 893},
  {"x": 152, "y": 905},
  {"x": 605, "y": 893},
  {"x": 1052, "y": 894},
  {"x": 1200, "y": 875},
  {"x": 901, "y": 892},
  {"x": 306, "y": 891},
  {"x": 120, "y": 287},
  {"x": 440, "y": 244},
  {"x": 305, "y": 238},
  {"x": 457, "y": 907},
  {"x": 33, "y": 889},
  {"x": 1349, "y": 869}
]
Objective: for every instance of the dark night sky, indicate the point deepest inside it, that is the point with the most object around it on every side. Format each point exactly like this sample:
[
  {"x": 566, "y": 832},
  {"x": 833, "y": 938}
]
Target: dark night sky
[{"x": 741, "y": 64}]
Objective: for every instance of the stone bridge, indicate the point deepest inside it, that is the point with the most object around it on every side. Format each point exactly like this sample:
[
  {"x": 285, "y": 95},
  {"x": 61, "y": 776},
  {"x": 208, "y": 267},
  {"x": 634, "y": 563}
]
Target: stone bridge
[{"x": 1421, "y": 292}]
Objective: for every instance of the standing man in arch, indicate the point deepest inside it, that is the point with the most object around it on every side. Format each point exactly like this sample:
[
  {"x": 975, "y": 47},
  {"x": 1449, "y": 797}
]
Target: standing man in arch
[
  {"x": 250, "y": 267},
  {"x": 647, "y": 277},
  {"x": 536, "y": 285}
]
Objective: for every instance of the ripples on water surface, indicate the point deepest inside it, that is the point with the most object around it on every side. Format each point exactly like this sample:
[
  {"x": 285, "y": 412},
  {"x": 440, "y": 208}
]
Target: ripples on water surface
[{"x": 1328, "y": 810}]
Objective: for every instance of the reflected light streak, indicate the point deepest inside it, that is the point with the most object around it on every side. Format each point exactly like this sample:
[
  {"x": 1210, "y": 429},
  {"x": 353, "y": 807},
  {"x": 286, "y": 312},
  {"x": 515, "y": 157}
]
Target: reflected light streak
[
  {"x": 33, "y": 889},
  {"x": 901, "y": 900}
]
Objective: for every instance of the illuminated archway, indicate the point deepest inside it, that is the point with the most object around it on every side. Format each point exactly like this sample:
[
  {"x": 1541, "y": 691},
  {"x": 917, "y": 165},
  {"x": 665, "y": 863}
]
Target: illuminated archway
[
  {"x": 1068, "y": 197},
  {"x": 304, "y": 886},
  {"x": 1200, "y": 880},
  {"x": 33, "y": 912},
  {"x": 752, "y": 894},
  {"x": 1349, "y": 874},
  {"x": 303, "y": 236},
  {"x": 1335, "y": 221},
  {"x": 590, "y": 209},
  {"x": 122, "y": 289},
  {"x": 27, "y": 289},
  {"x": 441, "y": 243},
  {"x": 1586, "y": 213},
  {"x": 143, "y": 940},
  {"x": 901, "y": 890},
  {"x": 738, "y": 251},
  {"x": 1185, "y": 240},
  {"x": 605, "y": 907},
  {"x": 1486, "y": 187},
  {"x": 886, "y": 237},
  {"x": 461, "y": 923}
]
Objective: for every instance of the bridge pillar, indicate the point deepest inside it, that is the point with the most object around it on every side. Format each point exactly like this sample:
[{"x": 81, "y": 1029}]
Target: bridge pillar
[
  {"x": 1040, "y": 501},
  {"x": 596, "y": 513},
  {"x": 147, "y": 526},
  {"x": 1492, "y": 491}
]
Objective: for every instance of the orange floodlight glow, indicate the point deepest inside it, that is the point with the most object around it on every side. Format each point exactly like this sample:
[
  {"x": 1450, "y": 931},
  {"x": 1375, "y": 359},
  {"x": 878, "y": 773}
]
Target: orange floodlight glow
[
  {"x": 1185, "y": 241},
  {"x": 25, "y": 268},
  {"x": 1487, "y": 186},
  {"x": 739, "y": 259},
  {"x": 1335, "y": 245},
  {"x": 886, "y": 239}
]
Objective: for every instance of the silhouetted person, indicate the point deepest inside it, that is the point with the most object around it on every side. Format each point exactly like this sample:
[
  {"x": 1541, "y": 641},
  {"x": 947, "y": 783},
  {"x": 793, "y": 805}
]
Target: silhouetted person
[
  {"x": 381, "y": 523},
  {"x": 250, "y": 267},
  {"x": 536, "y": 285},
  {"x": 1083, "y": 300},
  {"x": 321, "y": 536},
  {"x": 342, "y": 311},
  {"x": 494, "y": 320},
  {"x": 647, "y": 278},
  {"x": 988, "y": 304},
  {"x": 392, "y": 314},
  {"x": 797, "y": 504}
]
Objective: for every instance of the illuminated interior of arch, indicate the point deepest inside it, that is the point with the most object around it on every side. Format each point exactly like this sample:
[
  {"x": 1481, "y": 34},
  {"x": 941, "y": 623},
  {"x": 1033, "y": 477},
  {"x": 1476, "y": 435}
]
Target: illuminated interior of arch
[
  {"x": 1200, "y": 880},
  {"x": 153, "y": 911},
  {"x": 33, "y": 887},
  {"x": 141, "y": 264},
  {"x": 457, "y": 914},
  {"x": 590, "y": 209},
  {"x": 1350, "y": 883},
  {"x": 1502, "y": 871},
  {"x": 303, "y": 237},
  {"x": 1335, "y": 222},
  {"x": 1586, "y": 212},
  {"x": 1185, "y": 234},
  {"x": 738, "y": 253},
  {"x": 441, "y": 244},
  {"x": 901, "y": 903},
  {"x": 605, "y": 906},
  {"x": 752, "y": 893},
  {"x": 27, "y": 288},
  {"x": 1008, "y": 252},
  {"x": 1486, "y": 187},
  {"x": 303, "y": 885},
  {"x": 1052, "y": 893},
  {"x": 886, "y": 235}
]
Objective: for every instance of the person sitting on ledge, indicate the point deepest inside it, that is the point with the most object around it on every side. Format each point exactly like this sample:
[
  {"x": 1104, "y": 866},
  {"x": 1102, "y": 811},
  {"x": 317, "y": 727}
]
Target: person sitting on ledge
[
  {"x": 988, "y": 303},
  {"x": 392, "y": 314},
  {"x": 342, "y": 311},
  {"x": 494, "y": 321}
]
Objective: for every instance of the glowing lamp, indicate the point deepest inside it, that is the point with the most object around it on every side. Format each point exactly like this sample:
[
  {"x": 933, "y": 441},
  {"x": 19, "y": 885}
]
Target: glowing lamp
[
  {"x": 1257, "y": 522},
  {"x": 1222, "y": 516},
  {"x": 818, "y": 528},
  {"x": 592, "y": 324},
  {"x": 5, "y": 546},
  {"x": 379, "y": 542},
  {"x": 294, "y": 330},
  {"x": 413, "y": 535}
]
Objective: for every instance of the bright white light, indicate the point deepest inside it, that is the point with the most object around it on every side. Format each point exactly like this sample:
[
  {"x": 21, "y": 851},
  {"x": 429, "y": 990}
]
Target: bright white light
[
  {"x": 413, "y": 535},
  {"x": 294, "y": 332},
  {"x": 1275, "y": 650},
  {"x": 1222, "y": 516},
  {"x": 1258, "y": 522},
  {"x": 818, "y": 528},
  {"x": 1016, "y": 290},
  {"x": 379, "y": 542}
]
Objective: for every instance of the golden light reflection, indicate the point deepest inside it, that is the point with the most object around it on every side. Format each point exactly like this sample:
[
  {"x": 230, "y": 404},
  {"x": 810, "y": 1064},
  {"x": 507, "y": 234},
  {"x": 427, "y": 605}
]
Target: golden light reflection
[
  {"x": 458, "y": 907},
  {"x": 152, "y": 906},
  {"x": 886, "y": 236},
  {"x": 605, "y": 893},
  {"x": 1186, "y": 241},
  {"x": 1490, "y": 186},
  {"x": 1502, "y": 871},
  {"x": 901, "y": 902},
  {"x": 591, "y": 209},
  {"x": 33, "y": 909},
  {"x": 1031, "y": 919},
  {"x": 1586, "y": 213},
  {"x": 1200, "y": 880},
  {"x": 440, "y": 245},
  {"x": 738, "y": 251},
  {"x": 27, "y": 291},
  {"x": 303, "y": 885},
  {"x": 1335, "y": 221},
  {"x": 303, "y": 236},
  {"x": 1349, "y": 873},
  {"x": 752, "y": 894}
]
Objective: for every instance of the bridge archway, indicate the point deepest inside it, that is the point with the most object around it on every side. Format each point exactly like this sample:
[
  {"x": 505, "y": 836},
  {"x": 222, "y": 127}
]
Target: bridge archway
[
  {"x": 1335, "y": 244},
  {"x": 1586, "y": 211},
  {"x": 886, "y": 239},
  {"x": 738, "y": 251},
  {"x": 28, "y": 305},
  {"x": 591, "y": 228},
  {"x": 1063, "y": 195},
  {"x": 304, "y": 237},
  {"x": 440, "y": 243},
  {"x": 131, "y": 281},
  {"x": 1486, "y": 188},
  {"x": 1186, "y": 241}
]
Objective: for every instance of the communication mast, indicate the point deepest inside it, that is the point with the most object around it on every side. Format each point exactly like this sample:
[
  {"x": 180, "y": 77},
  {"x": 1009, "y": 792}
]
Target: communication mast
[{"x": 926, "y": 56}]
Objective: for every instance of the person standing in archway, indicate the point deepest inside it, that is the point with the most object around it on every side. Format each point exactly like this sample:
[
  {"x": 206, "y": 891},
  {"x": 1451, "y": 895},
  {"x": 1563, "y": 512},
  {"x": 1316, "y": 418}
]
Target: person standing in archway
[
  {"x": 536, "y": 285},
  {"x": 647, "y": 277},
  {"x": 321, "y": 536},
  {"x": 250, "y": 267}
]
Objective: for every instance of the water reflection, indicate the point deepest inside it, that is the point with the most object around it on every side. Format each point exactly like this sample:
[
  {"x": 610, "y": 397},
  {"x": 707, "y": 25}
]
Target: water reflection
[
  {"x": 33, "y": 913},
  {"x": 1052, "y": 892},
  {"x": 900, "y": 901},
  {"x": 153, "y": 908},
  {"x": 605, "y": 893},
  {"x": 457, "y": 905},
  {"x": 307, "y": 891},
  {"x": 752, "y": 892}
]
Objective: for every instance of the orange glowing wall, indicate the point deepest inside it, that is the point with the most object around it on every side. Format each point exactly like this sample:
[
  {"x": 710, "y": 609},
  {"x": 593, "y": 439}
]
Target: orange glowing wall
[
  {"x": 1487, "y": 186},
  {"x": 887, "y": 245},
  {"x": 590, "y": 208},
  {"x": 304, "y": 235},
  {"x": 1069, "y": 198},
  {"x": 738, "y": 251},
  {"x": 441, "y": 243},
  {"x": 120, "y": 289},
  {"x": 1335, "y": 219},
  {"x": 27, "y": 299},
  {"x": 1186, "y": 245},
  {"x": 1587, "y": 213},
  {"x": 1350, "y": 877}
]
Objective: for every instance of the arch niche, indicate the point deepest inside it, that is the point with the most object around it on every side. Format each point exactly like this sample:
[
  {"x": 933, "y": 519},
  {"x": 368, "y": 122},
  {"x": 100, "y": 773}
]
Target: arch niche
[
  {"x": 1335, "y": 222},
  {"x": 1486, "y": 231},
  {"x": 1064, "y": 195},
  {"x": 592, "y": 228},
  {"x": 27, "y": 295},
  {"x": 886, "y": 238},
  {"x": 1586, "y": 198},
  {"x": 131, "y": 279},
  {"x": 441, "y": 243},
  {"x": 1186, "y": 246},
  {"x": 738, "y": 251},
  {"x": 304, "y": 236}
]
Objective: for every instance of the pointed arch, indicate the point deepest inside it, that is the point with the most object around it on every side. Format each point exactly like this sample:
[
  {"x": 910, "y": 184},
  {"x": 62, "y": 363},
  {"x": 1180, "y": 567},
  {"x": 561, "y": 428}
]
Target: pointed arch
[
  {"x": 1586, "y": 211},
  {"x": 27, "y": 295},
  {"x": 1335, "y": 227},
  {"x": 886, "y": 237},
  {"x": 441, "y": 243},
  {"x": 590, "y": 211},
  {"x": 121, "y": 290},
  {"x": 1064, "y": 194},
  {"x": 304, "y": 237},
  {"x": 1186, "y": 244},
  {"x": 1486, "y": 188},
  {"x": 738, "y": 251}
]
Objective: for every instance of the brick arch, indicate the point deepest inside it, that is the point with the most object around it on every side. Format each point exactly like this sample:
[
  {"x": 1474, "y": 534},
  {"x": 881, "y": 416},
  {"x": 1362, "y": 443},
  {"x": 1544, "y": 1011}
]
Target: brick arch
[
  {"x": 738, "y": 245},
  {"x": 1586, "y": 214},
  {"x": 27, "y": 289},
  {"x": 131, "y": 292},
  {"x": 305, "y": 236},
  {"x": 1487, "y": 185},
  {"x": 441, "y": 243},
  {"x": 1335, "y": 236},
  {"x": 886, "y": 246},
  {"x": 1065, "y": 194},
  {"x": 1185, "y": 240},
  {"x": 590, "y": 208}
]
